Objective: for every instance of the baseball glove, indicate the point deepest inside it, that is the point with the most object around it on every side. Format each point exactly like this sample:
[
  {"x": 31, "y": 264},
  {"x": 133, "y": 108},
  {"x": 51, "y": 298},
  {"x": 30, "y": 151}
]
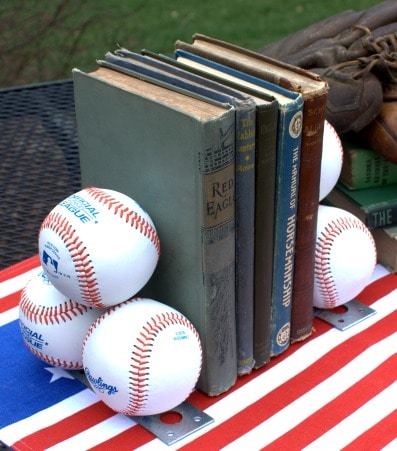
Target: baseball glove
[{"x": 356, "y": 52}]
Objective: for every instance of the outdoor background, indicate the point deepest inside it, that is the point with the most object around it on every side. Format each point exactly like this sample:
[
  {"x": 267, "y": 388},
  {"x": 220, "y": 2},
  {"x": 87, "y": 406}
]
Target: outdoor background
[{"x": 43, "y": 40}]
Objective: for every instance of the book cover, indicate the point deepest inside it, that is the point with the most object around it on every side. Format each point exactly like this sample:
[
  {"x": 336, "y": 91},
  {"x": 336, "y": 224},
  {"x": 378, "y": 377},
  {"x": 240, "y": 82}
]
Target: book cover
[
  {"x": 363, "y": 167},
  {"x": 376, "y": 207},
  {"x": 288, "y": 144},
  {"x": 245, "y": 181},
  {"x": 386, "y": 246},
  {"x": 314, "y": 92},
  {"x": 175, "y": 155}
]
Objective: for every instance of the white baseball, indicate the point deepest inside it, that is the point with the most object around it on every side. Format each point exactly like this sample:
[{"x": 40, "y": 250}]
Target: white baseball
[
  {"x": 53, "y": 327},
  {"x": 345, "y": 257},
  {"x": 331, "y": 161},
  {"x": 98, "y": 247},
  {"x": 142, "y": 357}
]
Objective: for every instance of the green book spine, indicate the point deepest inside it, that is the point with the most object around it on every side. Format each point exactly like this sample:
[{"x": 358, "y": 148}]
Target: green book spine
[
  {"x": 376, "y": 207},
  {"x": 176, "y": 157},
  {"x": 365, "y": 168},
  {"x": 264, "y": 229}
]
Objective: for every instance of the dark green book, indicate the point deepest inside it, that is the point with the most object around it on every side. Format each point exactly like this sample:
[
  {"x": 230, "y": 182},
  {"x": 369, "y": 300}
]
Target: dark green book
[
  {"x": 175, "y": 155},
  {"x": 363, "y": 167},
  {"x": 376, "y": 207}
]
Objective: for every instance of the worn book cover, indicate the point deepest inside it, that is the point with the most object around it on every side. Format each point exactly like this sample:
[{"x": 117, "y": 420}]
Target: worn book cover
[
  {"x": 175, "y": 155},
  {"x": 376, "y": 207},
  {"x": 363, "y": 167},
  {"x": 314, "y": 92}
]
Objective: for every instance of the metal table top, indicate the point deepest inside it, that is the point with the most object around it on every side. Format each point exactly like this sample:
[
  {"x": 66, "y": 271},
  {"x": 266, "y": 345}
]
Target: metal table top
[{"x": 39, "y": 162}]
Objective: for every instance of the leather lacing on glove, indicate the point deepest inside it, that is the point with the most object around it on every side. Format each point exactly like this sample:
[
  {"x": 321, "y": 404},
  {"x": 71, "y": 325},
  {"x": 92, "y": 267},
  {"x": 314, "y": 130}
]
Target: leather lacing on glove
[{"x": 356, "y": 53}]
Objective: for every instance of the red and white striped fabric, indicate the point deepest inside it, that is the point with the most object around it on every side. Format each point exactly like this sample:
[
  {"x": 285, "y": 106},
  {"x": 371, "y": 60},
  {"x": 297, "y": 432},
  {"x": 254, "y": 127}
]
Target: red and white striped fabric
[{"x": 337, "y": 390}]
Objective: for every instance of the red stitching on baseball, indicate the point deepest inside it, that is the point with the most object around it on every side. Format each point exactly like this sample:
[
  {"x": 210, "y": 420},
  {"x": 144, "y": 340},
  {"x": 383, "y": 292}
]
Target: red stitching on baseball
[
  {"x": 139, "y": 373},
  {"x": 139, "y": 370},
  {"x": 40, "y": 314},
  {"x": 81, "y": 258},
  {"x": 131, "y": 217},
  {"x": 55, "y": 362},
  {"x": 322, "y": 264}
]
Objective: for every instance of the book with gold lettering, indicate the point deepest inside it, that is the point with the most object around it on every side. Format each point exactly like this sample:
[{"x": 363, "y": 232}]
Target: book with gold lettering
[
  {"x": 286, "y": 184},
  {"x": 314, "y": 91},
  {"x": 175, "y": 155}
]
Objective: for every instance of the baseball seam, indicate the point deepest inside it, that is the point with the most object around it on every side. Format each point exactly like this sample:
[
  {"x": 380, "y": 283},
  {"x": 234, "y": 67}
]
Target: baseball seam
[
  {"x": 55, "y": 362},
  {"x": 130, "y": 216},
  {"x": 40, "y": 314},
  {"x": 87, "y": 281},
  {"x": 140, "y": 359},
  {"x": 85, "y": 272},
  {"x": 140, "y": 364},
  {"x": 322, "y": 265},
  {"x": 47, "y": 316}
]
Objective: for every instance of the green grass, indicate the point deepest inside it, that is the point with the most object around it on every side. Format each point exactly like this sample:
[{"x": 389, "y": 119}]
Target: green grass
[{"x": 44, "y": 39}]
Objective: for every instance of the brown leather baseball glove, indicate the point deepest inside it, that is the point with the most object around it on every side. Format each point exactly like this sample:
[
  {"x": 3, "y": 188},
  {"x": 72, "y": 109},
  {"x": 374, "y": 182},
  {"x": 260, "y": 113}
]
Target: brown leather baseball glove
[{"x": 356, "y": 52}]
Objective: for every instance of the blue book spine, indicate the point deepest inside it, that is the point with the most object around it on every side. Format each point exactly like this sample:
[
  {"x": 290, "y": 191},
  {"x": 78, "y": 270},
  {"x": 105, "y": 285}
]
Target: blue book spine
[{"x": 287, "y": 185}]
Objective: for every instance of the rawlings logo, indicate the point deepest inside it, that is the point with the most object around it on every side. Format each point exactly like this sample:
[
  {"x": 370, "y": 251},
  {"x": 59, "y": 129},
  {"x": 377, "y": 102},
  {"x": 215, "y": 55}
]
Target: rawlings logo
[
  {"x": 80, "y": 208},
  {"x": 99, "y": 384}
]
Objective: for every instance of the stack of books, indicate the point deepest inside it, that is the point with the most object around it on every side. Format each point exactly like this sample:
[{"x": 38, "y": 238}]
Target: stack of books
[
  {"x": 367, "y": 187},
  {"x": 222, "y": 146}
]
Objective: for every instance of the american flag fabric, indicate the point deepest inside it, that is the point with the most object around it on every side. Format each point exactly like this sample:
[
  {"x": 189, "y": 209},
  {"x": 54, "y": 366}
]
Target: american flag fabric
[{"x": 334, "y": 391}]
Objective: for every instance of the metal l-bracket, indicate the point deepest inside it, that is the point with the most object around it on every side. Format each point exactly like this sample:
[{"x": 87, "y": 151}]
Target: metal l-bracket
[
  {"x": 190, "y": 418},
  {"x": 354, "y": 312}
]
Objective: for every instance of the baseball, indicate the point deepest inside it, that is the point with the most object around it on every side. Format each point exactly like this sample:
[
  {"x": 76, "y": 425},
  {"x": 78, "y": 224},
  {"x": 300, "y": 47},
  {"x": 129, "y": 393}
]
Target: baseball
[
  {"x": 331, "y": 161},
  {"x": 53, "y": 327},
  {"x": 142, "y": 357},
  {"x": 98, "y": 247},
  {"x": 345, "y": 257}
]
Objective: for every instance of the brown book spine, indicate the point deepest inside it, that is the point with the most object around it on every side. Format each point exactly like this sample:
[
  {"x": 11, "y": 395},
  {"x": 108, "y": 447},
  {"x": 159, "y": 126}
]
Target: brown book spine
[{"x": 308, "y": 201}]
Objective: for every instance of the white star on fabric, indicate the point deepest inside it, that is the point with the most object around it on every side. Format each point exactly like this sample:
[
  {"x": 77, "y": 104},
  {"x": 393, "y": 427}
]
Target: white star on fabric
[{"x": 58, "y": 373}]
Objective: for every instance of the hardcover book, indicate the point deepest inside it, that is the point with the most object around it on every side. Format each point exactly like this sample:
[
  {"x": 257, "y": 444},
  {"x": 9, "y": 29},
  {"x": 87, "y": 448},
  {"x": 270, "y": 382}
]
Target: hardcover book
[
  {"x": 376, "y": 207},
  {"x": 175, "y": 155},
  {"x": 363, "y": 167},
  {"x": 245, "y": 109},
  {"x": 288, "y": 144},
  {"x": 314, "y": 92}
]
